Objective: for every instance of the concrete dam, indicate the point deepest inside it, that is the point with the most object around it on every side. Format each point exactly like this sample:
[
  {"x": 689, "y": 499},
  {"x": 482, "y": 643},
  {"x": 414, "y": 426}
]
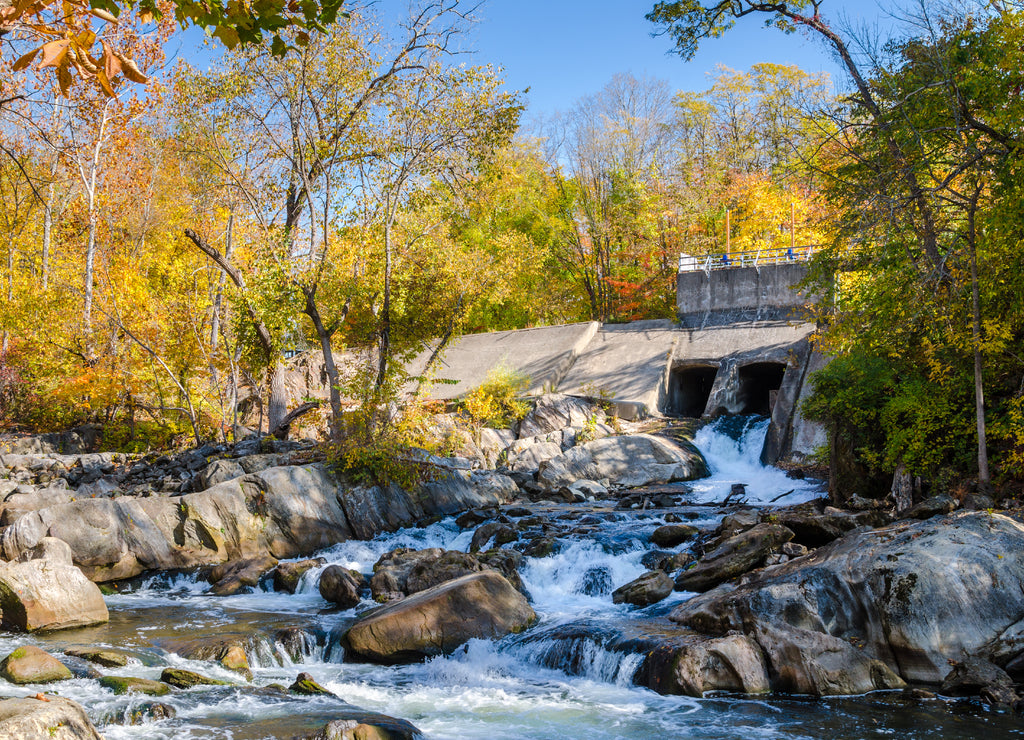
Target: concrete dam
[{"x": 740, "y": 346}]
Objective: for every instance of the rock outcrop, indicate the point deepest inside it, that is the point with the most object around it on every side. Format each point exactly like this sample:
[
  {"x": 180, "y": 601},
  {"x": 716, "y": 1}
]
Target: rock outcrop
[
  {"x": 283, "y": 512},
  {"x": 440, "y": 619},
  {"x": 627, "y": 461},
  {"x": 879, "y": 607}
]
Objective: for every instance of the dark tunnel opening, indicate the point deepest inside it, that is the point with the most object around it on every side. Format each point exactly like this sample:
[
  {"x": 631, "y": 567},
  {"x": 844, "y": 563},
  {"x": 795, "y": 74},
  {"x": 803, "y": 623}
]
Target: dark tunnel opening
[
  {"x": 759, "y": 385},
  {"x": 689, "y": 390}
]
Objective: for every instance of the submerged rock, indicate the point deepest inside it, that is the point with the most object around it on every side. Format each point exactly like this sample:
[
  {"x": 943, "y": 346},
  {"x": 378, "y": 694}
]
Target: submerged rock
[
  {"x": 45, "y": 718},
  {"x": 100, "y": 656},
  {"x": 440, "y": 619},
  {"x": 672, "y": 535},
  {"x": 29, "y": 664},
  {"x": 131, "y": 685},
  {"x": 182, "y": 679},
  {"x": 368, "y": 726}
]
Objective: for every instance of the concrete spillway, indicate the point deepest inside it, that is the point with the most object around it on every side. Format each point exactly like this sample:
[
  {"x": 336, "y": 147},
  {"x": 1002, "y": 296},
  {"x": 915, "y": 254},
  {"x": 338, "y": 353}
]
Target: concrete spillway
[{"x": 740, "y": 346}]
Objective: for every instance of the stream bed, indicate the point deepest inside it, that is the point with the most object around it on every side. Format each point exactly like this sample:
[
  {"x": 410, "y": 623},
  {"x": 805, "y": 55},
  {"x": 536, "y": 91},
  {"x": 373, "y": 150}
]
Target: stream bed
[{"x": 540, "y": 684}]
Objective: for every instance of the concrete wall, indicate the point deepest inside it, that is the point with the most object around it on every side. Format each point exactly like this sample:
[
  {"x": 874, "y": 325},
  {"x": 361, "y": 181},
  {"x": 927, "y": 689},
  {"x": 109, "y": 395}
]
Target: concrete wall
[{"x": 740, "y": 294}]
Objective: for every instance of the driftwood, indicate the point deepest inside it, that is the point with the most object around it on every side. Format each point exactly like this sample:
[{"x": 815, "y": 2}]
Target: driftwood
[{"x": 282, "y": 429}]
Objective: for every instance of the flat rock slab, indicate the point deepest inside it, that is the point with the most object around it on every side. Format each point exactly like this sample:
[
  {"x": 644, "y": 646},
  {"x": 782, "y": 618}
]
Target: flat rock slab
[
  {"x": 52, "y": 719},
  {"x": 436, "y": 621}
]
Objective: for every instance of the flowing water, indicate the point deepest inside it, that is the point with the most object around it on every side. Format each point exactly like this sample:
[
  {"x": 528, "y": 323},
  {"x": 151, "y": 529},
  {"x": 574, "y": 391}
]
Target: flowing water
[{"x": 570, "y": 676}]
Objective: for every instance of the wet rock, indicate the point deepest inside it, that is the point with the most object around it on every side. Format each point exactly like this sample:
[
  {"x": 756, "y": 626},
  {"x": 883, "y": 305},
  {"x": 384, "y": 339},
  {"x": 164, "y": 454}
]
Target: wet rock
[
  {"x": 368, "y": 726},
  {"x": 650, "y": 588},
  {"x": 100, "y": 656},
  {"x": 45, "y": 718},
  {"x": 340, "y": 586},
  {"x": 627, "y": 461},
  {"x": 934, "y": 506},
  {"x": 473, "y": 518},
  {"x": 970, "y": 675},
  {"x": 182, "y": 679},
  {"x": 391, "y": 571},
  {"x": 142, "y": 714},
  {"x": 29, "y": 664},
  {"x": 672, "y": 535},
  {"x": 305, "y": 685},
  {"x": 501, "y": 533},
  {"x": 738, "y": 521},
  {"x": 296, "y": 642},
  {"x": 506, "y": 562},
  {"x": 880, "y": 603},
  {"x": 794, "y": 550},
  {"x": 232, "y": 578},
  {"x": 48, "y": 593},
  {"x": 517, "y": 511},
  {"x": 540, "y": 547},
  {"x": 129, "y": 685},
  {"x": 695, "y": 664},
  {"x": 440, "y": 619},
  {"x": 733, "y": 557},
  {"x": 228, "y": 651},
  {"x": 288, "y": 575}
]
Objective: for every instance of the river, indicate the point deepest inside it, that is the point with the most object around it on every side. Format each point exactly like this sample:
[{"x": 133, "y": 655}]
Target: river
[{"x": 564, "y": 678}]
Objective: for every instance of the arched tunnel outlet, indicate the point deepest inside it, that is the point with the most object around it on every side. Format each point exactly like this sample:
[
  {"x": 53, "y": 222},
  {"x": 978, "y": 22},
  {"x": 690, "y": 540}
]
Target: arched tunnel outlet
[
  {"x": 759, "y": 384},
  {"x": 689, "y": 389}
]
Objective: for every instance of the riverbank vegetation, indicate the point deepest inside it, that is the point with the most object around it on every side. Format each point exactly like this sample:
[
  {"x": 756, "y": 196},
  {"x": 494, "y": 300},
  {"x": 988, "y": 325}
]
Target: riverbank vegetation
[{"x": 354, "y": 186}]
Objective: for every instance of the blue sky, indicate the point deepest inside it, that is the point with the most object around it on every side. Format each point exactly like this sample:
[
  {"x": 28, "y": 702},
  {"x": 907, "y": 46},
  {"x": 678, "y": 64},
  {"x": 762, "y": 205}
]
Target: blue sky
[{"x": 566, "y": 49}]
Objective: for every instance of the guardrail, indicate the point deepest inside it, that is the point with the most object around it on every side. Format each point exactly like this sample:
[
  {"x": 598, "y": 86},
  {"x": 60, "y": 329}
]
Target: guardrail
[{"x": 750, "y": 258}]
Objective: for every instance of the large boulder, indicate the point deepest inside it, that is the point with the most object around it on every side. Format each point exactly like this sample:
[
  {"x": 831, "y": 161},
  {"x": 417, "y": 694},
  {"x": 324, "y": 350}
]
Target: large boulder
[
  {"x": 555, "y": 411},
  {"x": 878, "y": 607},
  {"x": 29, "y": 664},
  {"x": 45, "y": 717},
  {"x": 48, "y": 592},
  {"x": 733, "y": 557},
  {"x": 340, "y": 586},
  {"x": 628, "y": 461},
  {"x": 440, "y": 619},
  {"x": 361, "y": 725}
]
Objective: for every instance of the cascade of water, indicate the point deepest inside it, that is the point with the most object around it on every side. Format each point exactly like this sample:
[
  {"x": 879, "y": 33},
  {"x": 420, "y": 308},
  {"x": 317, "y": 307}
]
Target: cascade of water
[{"x": 732, "y": 447}]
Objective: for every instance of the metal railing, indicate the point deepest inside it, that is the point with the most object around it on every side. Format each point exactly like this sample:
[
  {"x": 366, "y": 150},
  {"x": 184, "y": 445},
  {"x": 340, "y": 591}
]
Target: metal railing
[{"x": 749, "y": 258}]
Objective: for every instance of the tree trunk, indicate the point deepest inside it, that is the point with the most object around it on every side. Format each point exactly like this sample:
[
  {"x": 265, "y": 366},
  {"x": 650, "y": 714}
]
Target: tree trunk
[
  {"x": 277, "y": 407},
  {"x": 979, "y": 386},
  {"x": 51, "y": 191},
  {"x": 326, "y": 349},
  {"x": 219, "y": 298},
  {"x": 90, "y": 258},
  {"x": 384, "y": 344}
]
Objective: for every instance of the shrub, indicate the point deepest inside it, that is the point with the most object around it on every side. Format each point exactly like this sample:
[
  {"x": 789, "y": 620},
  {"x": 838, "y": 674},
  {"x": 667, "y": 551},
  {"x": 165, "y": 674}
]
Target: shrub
[{"x": 494, "y": 402}]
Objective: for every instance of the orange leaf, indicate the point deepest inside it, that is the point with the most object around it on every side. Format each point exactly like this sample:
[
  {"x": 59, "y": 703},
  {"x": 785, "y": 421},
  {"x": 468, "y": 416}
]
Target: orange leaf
[
  {"x": 111, "y": 64},
  {"x": 131, "y": 70},
  {"x": 64, "y": 77},
  {"x": 104, "y": 82},
  {"x": 54, "y": 53},
  {"x": 25, "y": 60}
]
